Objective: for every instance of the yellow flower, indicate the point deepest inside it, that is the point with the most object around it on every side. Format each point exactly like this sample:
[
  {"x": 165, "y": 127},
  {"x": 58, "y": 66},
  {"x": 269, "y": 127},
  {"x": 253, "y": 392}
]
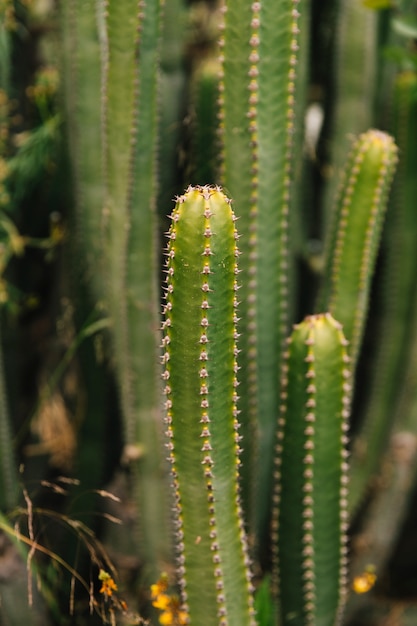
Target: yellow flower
[
  {"x": 365, "y": 581},
  {"x": 108, "y": 585},
  {"x": 160, "y": 586},
  {"x": 162, "y": 601},
  {"x": 171, "y": 615},
  {"x": 173, "y": 618}
]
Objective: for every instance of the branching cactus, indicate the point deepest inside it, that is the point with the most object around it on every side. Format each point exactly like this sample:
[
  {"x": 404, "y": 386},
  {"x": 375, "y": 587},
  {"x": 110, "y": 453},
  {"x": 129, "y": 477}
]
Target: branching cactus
[
  {"x": 310, "y": 516},
  {"x": 200, "y": 342}
]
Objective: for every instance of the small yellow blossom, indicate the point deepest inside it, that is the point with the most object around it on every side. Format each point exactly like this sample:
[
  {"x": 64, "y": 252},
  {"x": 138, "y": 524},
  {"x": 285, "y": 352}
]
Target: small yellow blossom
[
  {"x": 365, "y": 581},
  {"x": 108, "y": 585},
  {"x": 161, "y": 601},
  {"x": 160, "y": 586},
  {"x": 172, "y": 614}
]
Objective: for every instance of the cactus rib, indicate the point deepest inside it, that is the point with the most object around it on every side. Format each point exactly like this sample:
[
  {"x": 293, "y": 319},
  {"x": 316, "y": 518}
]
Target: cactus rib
[
  {"x": 310, "y": 517},
  {"x": 201, "y": 389}
]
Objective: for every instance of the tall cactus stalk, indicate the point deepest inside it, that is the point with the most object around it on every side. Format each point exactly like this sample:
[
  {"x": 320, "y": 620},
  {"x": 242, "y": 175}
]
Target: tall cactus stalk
[
  {"x": 115, "y": 115},
  {"x": 258, "y": 93},
  {"x": 354, "y": 235},
  {"x": 310, "y": 516},
  {"x": 82, "y": 87},
  {"x": 200, "y": 358},
  {"x": 397, "y": 299}
]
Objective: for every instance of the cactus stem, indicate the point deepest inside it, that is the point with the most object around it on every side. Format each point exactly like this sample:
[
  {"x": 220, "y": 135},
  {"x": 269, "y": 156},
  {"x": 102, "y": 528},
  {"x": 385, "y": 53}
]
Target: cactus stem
[
  {"x": 311, "y": 447},
  {"x": 200, "y": 358}
]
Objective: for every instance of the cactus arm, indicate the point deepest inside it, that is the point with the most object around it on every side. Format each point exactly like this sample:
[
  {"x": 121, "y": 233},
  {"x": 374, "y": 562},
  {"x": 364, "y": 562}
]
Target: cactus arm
[
  {"x": 258, "y": 97},
  {"x": 143, "y": 417},
  {"x": 119, "y": 45},
  {"x": 354, "y": 236},
  {"x": 201, "y": 387},
  {"x": 273, "y": 86},
  {"x": 355, "y": 83},
  {"x": 111, "y": 49},
  {"x": 171, "y": 99},
  {"x": 82, "y": 69},
  {"x": 309, "y": 520},
  {"x": 397, "y": 301},
  {"x": 204, "y": 93},
  {"x": 131, "y": 127},
  {"x": 236, "y": 163}
]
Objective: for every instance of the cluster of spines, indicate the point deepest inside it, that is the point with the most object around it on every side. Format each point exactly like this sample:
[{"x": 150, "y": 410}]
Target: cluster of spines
[
  {"x": 307, "y": 444},
  {"x": 207, "y": 461}
]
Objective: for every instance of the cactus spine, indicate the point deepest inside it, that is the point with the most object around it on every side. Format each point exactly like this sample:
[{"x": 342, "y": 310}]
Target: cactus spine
[
  {"x": 309, "y": 521},
  {"x": 201, "y": 389},
  {"x": 355, "y": 233}
]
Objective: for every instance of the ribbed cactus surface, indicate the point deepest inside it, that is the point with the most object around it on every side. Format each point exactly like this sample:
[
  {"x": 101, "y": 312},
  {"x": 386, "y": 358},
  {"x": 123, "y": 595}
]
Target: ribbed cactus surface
[
  {"x": 310, "y": 500},
  {"x": 355, "y": 233},
  {"x": 200, "y": 343},
  {"x": 259, "y": 55}
]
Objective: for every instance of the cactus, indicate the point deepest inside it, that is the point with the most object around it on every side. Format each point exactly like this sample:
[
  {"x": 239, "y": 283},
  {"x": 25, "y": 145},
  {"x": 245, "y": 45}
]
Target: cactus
[
  {"x": 310, "y": 516},
  {"x": 200, "y": 344},
  {"x": 397, "y": 308},
  {"x": 258, "y": 93},
  {"x": 354, "y": 235},
  {"x": 354, "y": 84},
  {"x": 141, "y": 92},
  {"x": 112, "y": 123}
]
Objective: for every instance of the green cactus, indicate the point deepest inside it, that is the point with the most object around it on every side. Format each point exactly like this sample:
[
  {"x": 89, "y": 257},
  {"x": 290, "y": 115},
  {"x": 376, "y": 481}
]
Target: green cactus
[
  {"x": 112, "y": 121},
  {"x": 354, "y": 234},
  {"x": 259, "y": 88},
  {"x": 310, "y": 513},
  {"x": 355, "y": 84},
  {"x": 200, "y": 342},
  {"x": 397, "y": 301}
]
